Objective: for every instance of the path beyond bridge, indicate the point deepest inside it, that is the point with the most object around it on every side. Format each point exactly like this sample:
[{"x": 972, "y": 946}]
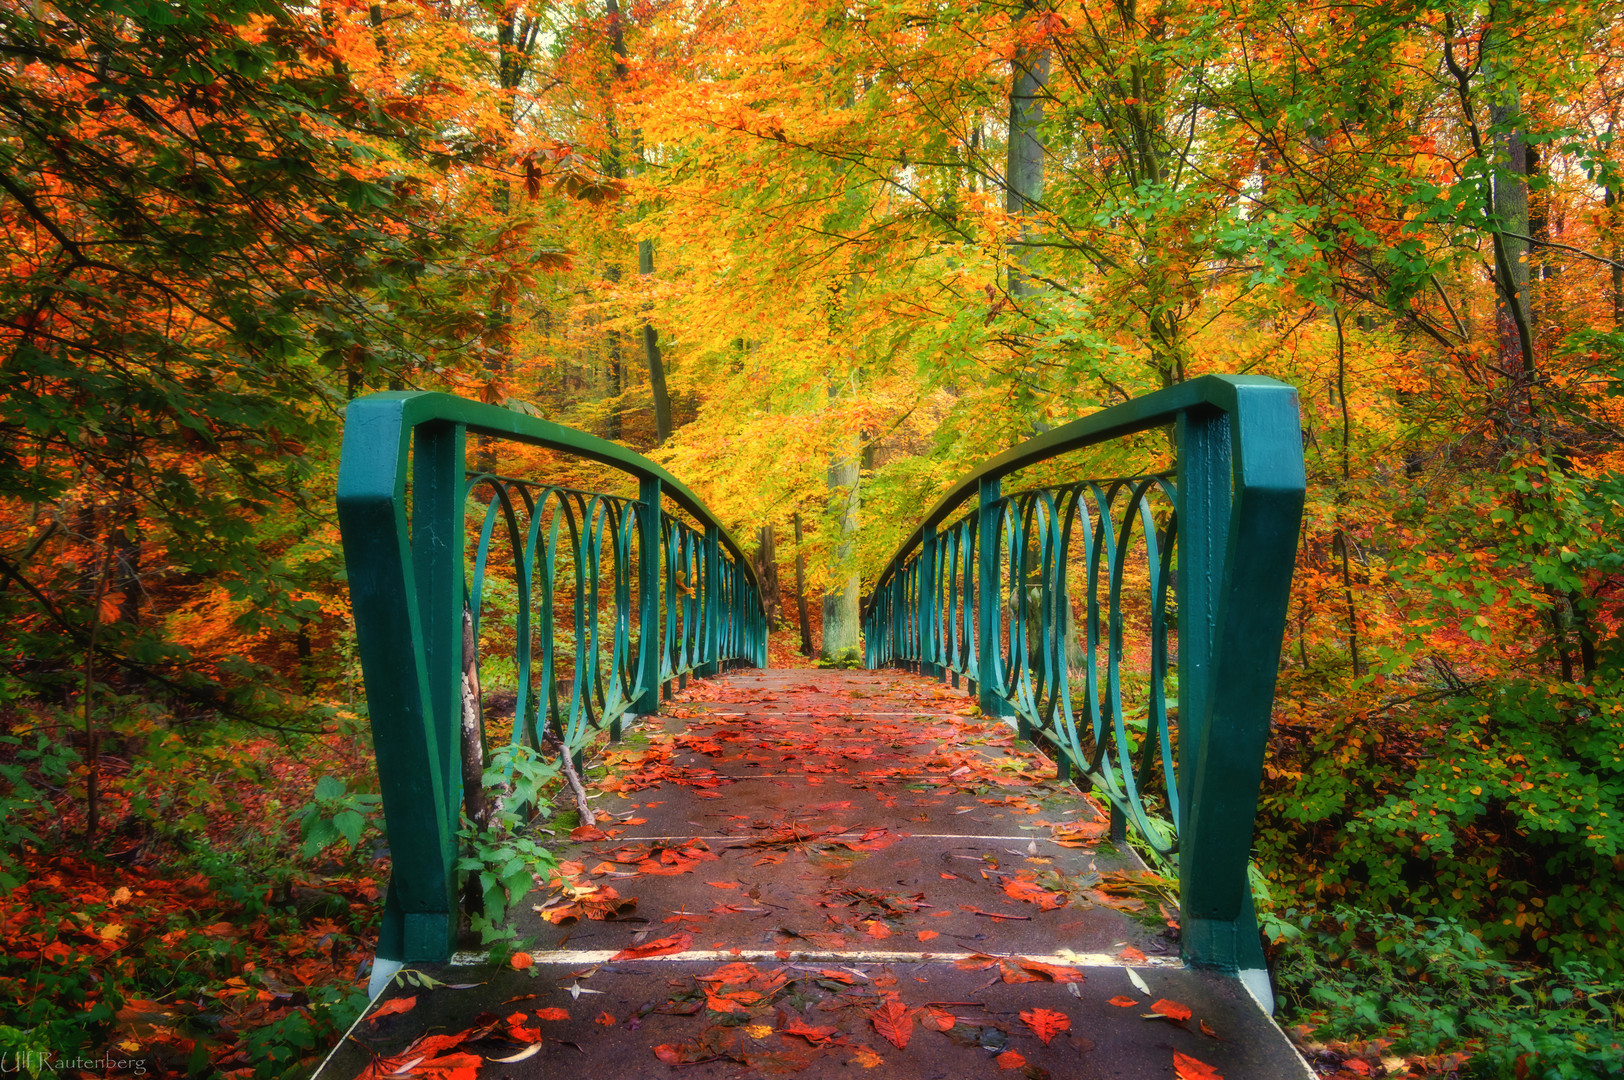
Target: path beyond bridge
[{"x": 830, "y": 874}]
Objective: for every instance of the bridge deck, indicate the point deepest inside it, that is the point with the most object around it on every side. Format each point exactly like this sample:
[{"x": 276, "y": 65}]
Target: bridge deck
[{"x": 826, "y": 865}]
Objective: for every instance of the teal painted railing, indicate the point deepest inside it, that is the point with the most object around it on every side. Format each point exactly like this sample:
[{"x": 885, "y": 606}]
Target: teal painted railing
[
  {"x": 612, "y": 597},
  {"x": 1041, "y": 620}
]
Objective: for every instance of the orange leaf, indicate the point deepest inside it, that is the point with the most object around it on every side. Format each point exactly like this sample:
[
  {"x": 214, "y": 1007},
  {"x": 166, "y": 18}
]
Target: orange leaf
[
  {"x": 554, "y": 1013},
  {"x": 893, "y": 1021},
  {"x": 1053, "y": 972},
  {"x": 606, "y": 1020},
  {"x": 659, "y": 947},
  {"x": 1173, "y": 1010},
  {"x": 877, "y": 930},
  {"x": 926, "y": 935},
  {"x": 1122, "y": 1002},
  {"x": 390, "y": 1008},
  {"x": 1034, "y": 894},
  {"x": 814, "y": 1035},
  {"x": 1189, "y": 1068},
  {"x": 583, "y": 833},
  {"x": 1046, "y": 1023},
  {"x": 866, "y": 1058},
  {"x": 939, "y": 1019},
  {"x": 1009, "y": 1059},
  {"x": 520, "y": 960},
  {"x": 668, "y": 1053},
  {"x": 1131, "y": 955}
]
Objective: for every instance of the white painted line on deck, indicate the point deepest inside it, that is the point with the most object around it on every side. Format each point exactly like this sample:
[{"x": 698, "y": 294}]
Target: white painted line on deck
[
  {"x": 585, "y": 957},
  {"x": 817, "y": 836}
]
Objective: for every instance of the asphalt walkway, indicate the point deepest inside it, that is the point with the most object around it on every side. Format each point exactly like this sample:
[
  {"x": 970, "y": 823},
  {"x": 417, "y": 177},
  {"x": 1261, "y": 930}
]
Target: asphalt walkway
[{"x": 829, "y": 874}]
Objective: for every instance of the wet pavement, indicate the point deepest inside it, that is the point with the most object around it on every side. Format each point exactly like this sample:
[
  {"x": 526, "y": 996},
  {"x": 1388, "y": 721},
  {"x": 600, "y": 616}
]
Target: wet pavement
[{"x": 829, "y": 874}]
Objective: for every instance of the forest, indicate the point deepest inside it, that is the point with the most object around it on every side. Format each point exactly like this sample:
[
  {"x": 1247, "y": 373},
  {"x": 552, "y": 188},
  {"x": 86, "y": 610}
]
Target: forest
[{"x": 818, "y": 260}]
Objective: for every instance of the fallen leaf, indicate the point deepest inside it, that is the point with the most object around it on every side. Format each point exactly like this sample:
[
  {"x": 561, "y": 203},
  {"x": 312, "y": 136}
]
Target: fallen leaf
[
  {"x": 1189, "y": 1068},
  {"x": 393, "y": 1007},
  {"x": 1032, "y": 893},
  {"x": 553, "y": 1013},
  {"x": 939, "y": 1019},
  {"x": 606, "y": 1020},
  {"x": 520, "y": 960},
  {"x": 528, "y": 1052},
  {"x": 1131, "y": 955},
  {"x": 926, "y": 935},
  {"x": 865, "y": 1057},
  {"x": 1009, "y": 1059},
  {"x": 1207, "y": 1030},
  {"x": 1046, "y": 1023},
  {"x": 893, "y": 1021},
  {"x": 584, "y": 833},
  {"x": 659, "y": 947},
  {"x": 817, "y": 1036},
  {"x": 1138, "y": 983},
  {"x": 1173, "y": 1010},
  {"x": 1123, "y": 1002}
]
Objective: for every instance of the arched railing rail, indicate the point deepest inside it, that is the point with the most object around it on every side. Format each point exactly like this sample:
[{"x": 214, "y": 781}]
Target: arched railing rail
[
  {"x": 604, "y": 598},
  {"x": 1132, "y": 624}
]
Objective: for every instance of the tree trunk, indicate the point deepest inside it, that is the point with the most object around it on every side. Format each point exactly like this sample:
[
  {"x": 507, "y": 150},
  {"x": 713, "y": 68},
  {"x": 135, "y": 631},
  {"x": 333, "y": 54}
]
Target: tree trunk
[
  {"x": 651, "y": 353},
  {"x": 767, "y": 570},
  {"x": 800, "y": 590},
  {"x": 1513, "y": 312},
  {"x": 841, "y": 647},
  {"x": 1023, "y": 170}
]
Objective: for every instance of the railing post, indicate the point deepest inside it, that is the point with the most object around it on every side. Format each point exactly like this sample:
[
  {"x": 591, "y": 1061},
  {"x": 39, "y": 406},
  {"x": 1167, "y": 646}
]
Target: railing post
[
  {"x": 1241, "y": 498},
  {"x": 650, "y": 559},
  {"x": 408, "y": 612},
  {"x": 989, "y": 664},
  {"x": 929, "y": 617},
  {"x": 710, "y": 639}
]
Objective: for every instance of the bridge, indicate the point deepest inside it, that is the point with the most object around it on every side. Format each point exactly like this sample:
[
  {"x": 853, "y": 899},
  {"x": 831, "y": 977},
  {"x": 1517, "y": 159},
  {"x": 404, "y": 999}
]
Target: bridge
[{"x": 1019, "y": 841}]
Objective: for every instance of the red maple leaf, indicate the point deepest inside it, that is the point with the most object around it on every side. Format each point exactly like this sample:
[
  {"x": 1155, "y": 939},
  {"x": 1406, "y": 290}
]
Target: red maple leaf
[
  {"x": 1046, "y": 1023},
  {"x": 1173, "y": 1010},
  {"x": 390, "y": 1008},
  {"x": 817, "y": 1036},
  {"x": 1189, "y": 1068},
  {"x": 893, "y": 1021},
  {"x": 658, "y": 947}
]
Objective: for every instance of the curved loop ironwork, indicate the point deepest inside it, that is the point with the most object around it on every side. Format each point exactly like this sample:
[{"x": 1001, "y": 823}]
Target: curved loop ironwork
[
  {"x": 587, "y": 604},
  {"x": 1133, "y": 624}
]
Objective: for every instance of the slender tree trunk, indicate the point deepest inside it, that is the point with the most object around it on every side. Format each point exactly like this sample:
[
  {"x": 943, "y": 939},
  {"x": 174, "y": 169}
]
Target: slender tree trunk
[
  {"x": 474, "y": 805},
  {"x": 92, "y": 732},
  {"x": 767, "y": 571},
  {"x": 841, "y": 645},
  {"x": 651, "y": 353},
  {"x": 1341, "y": 539},
  {"x": 1023, "y": 170},
  {"x": 800, "y": 590}
]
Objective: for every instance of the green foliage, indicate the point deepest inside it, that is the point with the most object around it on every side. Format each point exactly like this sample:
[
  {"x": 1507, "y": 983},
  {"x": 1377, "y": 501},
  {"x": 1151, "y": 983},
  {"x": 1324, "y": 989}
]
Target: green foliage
[
  {"x": 1432, "y": 986},
  {"x": 502, "y": 857},
  {"x": 26, "y": 768},
  {"x": 336, "y": 813},
  {"x": 280, "y": 1048},
  {"x": 1509, "y": 822}
]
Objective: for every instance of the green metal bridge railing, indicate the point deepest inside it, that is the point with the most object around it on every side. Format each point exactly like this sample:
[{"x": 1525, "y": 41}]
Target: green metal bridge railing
[
  {"x": 689, "y": 603},
  {"x": 987, "y": 596}
]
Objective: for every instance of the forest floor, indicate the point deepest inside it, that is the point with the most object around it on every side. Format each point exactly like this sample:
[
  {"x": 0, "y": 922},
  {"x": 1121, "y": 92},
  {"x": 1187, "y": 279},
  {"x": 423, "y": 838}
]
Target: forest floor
[{"x": 806, "y": 872}]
